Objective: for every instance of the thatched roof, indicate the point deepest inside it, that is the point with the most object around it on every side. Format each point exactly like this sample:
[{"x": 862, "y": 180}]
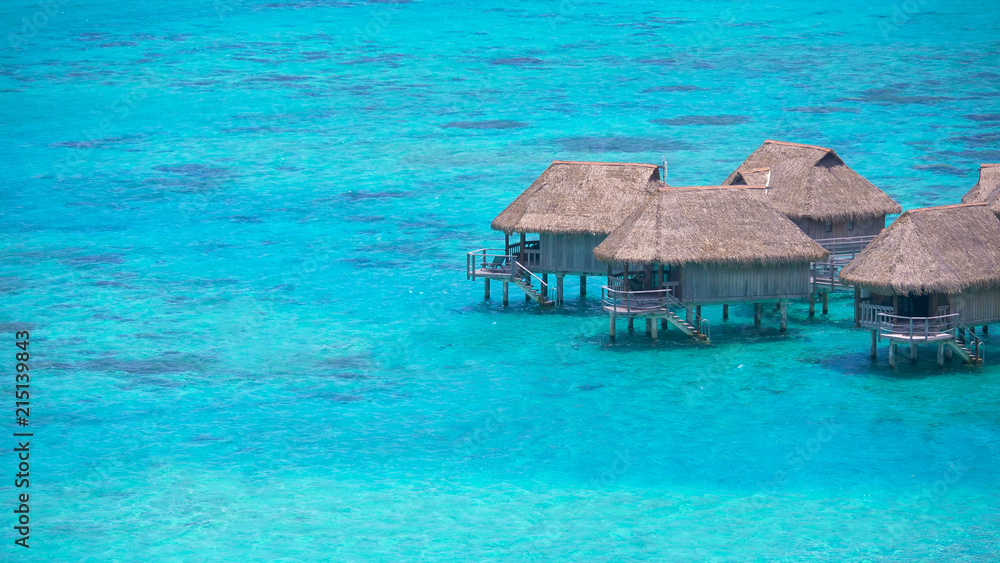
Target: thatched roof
[
  {"x": 932, "y": 250},
  {"x": 987, "y": 189},
  {"x": 580, "y": 197},
  {"x": 813, "y": 182},
  {"x": 730, "y": 225}
]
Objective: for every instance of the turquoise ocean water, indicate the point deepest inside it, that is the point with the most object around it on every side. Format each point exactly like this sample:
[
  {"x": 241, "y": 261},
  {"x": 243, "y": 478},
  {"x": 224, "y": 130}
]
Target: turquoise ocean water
[{"x": 236, "y": 231}]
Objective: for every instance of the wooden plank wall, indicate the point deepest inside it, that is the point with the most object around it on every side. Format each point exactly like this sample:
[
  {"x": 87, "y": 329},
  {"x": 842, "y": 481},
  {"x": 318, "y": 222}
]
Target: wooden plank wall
[
  {"x": 570, "y": 253},
  {"x": 977, "y": 307},
  {"x": 817, "y": 229},
  {"x": 701, "y": 284}
]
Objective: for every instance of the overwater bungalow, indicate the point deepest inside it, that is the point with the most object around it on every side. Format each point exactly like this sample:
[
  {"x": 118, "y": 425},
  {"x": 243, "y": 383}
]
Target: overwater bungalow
[
  {"x": 687, "y": 247},
  {"x": 931, "y": 278},
  {"x": 987, "y": 189},
  {"x": 829, "y": 201},
  {"x": 560, "y": 219}
]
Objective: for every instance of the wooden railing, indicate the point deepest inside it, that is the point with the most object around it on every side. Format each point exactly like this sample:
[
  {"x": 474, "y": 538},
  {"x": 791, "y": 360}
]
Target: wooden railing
[
  {"x": 870, "y": 313},
  {"x": 850, "y": 246},
  {"x": 913, "y": 328},
  {"x": 638, "y": 302},
  {"x": 486, "y": 259},
  {"x": 531, "y": 255}
]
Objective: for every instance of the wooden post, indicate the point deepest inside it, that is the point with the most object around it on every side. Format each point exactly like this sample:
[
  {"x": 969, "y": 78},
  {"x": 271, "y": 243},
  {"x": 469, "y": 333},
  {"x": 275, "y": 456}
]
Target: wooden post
[
  {"x": 505, "y": 294},
  {"x": 697, "y": 316},
  {"x": 663, "y": 280},
  {"x": 758, "y": 310},
  {"x": 892, "y": 353},
  {"x": 972, "y": 329},
  {"x": 649, "y": 326},
  {"x": 826, "y": 302},
  {"x": 857, "y": 306},
  {"x": 986, "y": 329},
  {"x": 725, "y": 311},
  {"x": 487, "y": 284},
  {"x": 521, "y": 255},
  {"x": 940, "y": 357},
  {"x": 559, "y": 290},
  {"x": 583, "y": 286},
  {"x": 874, "y": 344},
  {"x": 652, "y": 323},
  {"x": 812, "y": 304},
  {"x": 506, "y": 242},
  {"x": 545, "y": 285},
  {"x": 784, "y": 315},
  {"x": 631, "y": 324},
  {"x": 913, "y": 352},
  {"x": 612, "y": 317},
  {"x": 664, "y": 324}
]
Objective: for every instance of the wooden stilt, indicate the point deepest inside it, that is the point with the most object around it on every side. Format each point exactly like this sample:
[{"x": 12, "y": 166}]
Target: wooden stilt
[
  {"x": 559, "y": 290},
  {"x": 664, "y": 324},
  {"x": 972, "y": 329},
  {"x": 487, "y": 284},
  {"x": 986, "y": 329},
  {"x": 892, "y": 353},
  {"x": 612, "y": 317},
  {"x": 725, "y": 311},
  {"x": 874, "y": 344},
  {"x": 758, "y": 310},
  {"x": 812, "y": 304},
  {"x": 653, "y": 329},
  {"x": 545, "y": 284},
  {"x": 940, "y": 355},
  {"x": 783, "y": 311},
  {"x": 631, "y": 324},
  {"x": 857, "y": 307},
  {"x": 826, "y": 302},
  {"x": 913, "y": 352},
  {"x": 505, "y": 293},
  {"x": 697, "y": 316},
  {"x": 649, "y": 327},
  {"x": 583, "y": 286},
  {"x": 522, "y": 255}
]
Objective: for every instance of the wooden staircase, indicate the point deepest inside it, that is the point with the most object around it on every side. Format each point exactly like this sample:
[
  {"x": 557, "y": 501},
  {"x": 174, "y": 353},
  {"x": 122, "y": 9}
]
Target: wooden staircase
[
  {"x": 524, "y": 279},
  {"x": 684, "y": 326},
  {"x": 969, "y": 348}
]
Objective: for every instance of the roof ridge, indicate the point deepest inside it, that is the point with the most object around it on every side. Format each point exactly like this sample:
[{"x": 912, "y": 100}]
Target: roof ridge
[
  {"x": 605, "y": 163},
  {"x": 941, "y": 207},
  {"x": 726, "y": 187},
  {"x": 786, "y": 143}
]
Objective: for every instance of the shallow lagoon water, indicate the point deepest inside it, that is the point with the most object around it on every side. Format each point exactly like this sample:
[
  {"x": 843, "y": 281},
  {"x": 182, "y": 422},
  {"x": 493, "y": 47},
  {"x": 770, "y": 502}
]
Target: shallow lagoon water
[{"x": 236, "y": 231}]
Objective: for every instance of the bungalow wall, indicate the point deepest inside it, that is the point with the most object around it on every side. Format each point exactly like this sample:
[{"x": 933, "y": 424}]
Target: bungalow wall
[
  {"x": 976, "y": 307},
  {"x": 711, "y": 283},
  {"x": 839, "y": 229},
  {"x": 571, "y": 254}
]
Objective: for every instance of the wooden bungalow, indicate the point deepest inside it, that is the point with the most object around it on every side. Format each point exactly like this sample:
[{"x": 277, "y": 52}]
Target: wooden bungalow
[
  {"x": 931, "y": 278},
  {"x": 828, "y": 200},
  {"x": 987, "y": 189},
  {"x": 692, "y": 246},
  {"x": 561, "y": 218},
  {"x": 814, "y": 188}
]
